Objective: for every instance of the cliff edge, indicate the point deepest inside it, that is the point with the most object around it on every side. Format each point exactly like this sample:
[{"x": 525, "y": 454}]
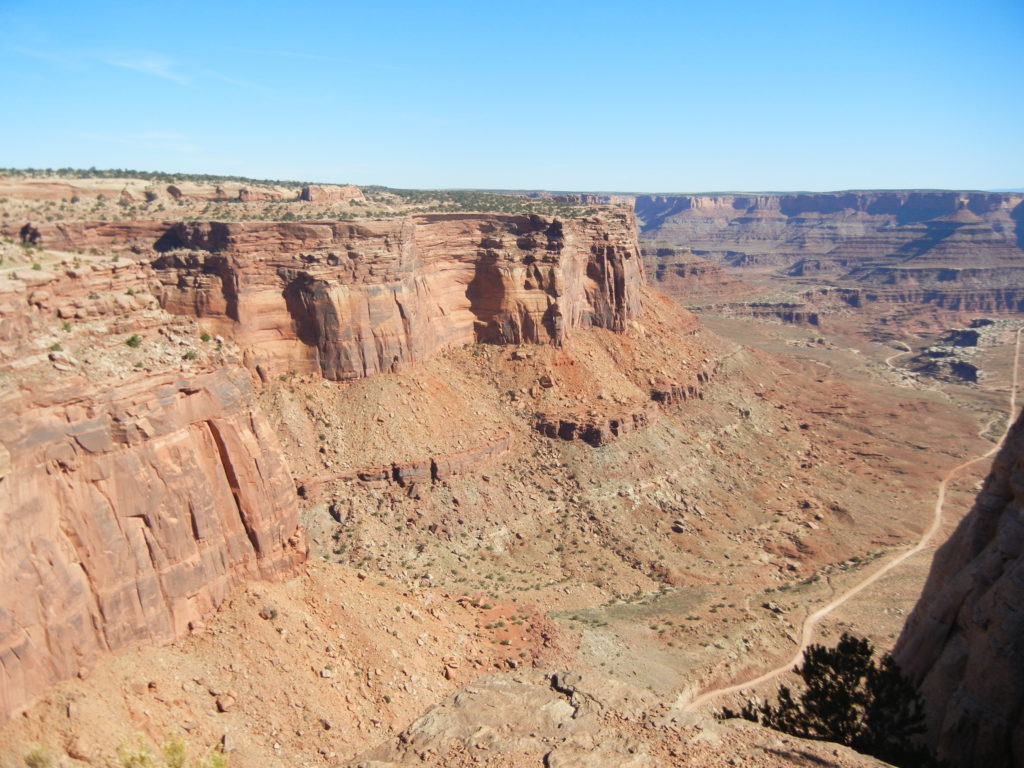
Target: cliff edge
[{"x": 962, "y": 643}]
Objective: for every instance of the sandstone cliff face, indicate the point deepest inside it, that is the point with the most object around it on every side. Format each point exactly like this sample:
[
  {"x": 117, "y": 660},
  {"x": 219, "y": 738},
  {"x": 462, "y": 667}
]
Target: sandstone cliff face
[
  {"x": 131, "y": 514},
  {"x": 330, "y": 193},
  {"x": 352, "y": 299},
  {"x": 962, "y": 643},
  {"x": 858, "y": 222}
]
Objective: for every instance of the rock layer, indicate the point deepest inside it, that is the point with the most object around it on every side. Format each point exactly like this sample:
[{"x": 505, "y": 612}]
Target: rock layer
[
  {"x": 962, "y": 643},
  {"x": 353, "y": 299},
  {"x": 129, "y": 515},
  {"x": 950, "y": 251},
  {"x": 850, "y": 227},
  {"x": 687, "y": 277}
]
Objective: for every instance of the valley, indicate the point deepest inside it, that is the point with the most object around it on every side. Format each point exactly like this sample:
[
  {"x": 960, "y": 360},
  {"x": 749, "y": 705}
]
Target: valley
[{"x": 330, "y": 476}]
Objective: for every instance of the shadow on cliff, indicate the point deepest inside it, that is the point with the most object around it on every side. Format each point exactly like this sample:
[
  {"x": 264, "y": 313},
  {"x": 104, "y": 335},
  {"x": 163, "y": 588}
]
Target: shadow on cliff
[
  {"x": 499, "y": 318},
  {"x": 1018, "y": 229},
  {"x": 961, "y": 643}
]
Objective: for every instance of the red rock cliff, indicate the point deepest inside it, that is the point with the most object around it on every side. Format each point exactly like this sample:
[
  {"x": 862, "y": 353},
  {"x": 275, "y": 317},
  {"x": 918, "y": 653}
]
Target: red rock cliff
[
  {"x": 351, "y": 299},
  {"x": 130, "y": 515}
]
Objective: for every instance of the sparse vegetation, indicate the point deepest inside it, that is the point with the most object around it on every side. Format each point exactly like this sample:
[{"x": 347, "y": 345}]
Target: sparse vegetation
[
  {"x": 173, "y": 753},
  {"x": 850, "y": 699},
  {"x": 134, "y": 341},
  {"x": 38, "y": 757}
]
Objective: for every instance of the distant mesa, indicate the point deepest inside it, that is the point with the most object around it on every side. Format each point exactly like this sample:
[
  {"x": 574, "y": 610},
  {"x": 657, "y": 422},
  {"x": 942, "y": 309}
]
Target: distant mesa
[
  {"x": 259, "y": 195},
  {"x": 317, "y": 193}
]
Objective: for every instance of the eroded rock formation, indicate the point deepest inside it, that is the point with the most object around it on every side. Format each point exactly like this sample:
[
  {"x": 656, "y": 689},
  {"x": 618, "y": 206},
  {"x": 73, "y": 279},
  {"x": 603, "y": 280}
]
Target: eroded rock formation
[
  {"x": 131, "y": 514},
  {"x": 136, "y": 495},
  {"x": 330, "y": 193},
  {"x": 688, "y": 278},
  {"x": 962, "y": 643},
  {"x": 961, "y": 251},
  {"x": 353, "y": 299}
]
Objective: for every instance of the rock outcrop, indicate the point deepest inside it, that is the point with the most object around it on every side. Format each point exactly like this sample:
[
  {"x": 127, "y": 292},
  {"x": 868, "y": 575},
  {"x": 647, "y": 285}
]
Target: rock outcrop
[
  {"x": 330, "y": 193},
  {"x": 585, "y": 720},
  {"x": 131, "y": 514},
  {"x": 962, "y": 643},
  {"x": 352, "y": 299},
  {"x": 135, "y": 498}
]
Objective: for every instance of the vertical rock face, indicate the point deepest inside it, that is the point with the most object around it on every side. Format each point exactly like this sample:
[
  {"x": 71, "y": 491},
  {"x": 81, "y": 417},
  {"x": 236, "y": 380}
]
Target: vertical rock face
[
  {"x": 330, "y": 193},
  {"x": 964, "y": 642},
  {"x": 353, "y": 299},
  {"x": 130, "y": 515}
]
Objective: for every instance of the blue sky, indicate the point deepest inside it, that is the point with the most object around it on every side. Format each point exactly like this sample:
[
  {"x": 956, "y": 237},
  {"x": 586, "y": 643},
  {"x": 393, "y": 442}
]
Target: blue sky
[{"x": 668, "y": 96}]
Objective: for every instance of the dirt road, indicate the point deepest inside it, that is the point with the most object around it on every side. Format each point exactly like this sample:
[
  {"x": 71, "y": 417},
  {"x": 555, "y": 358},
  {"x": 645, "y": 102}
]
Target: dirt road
[
  {"x": 811, "y": 622},
  {"x": 890, "y": 358}
]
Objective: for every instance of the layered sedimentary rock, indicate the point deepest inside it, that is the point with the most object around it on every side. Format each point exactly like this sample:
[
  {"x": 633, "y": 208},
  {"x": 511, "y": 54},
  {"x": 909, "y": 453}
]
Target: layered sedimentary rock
[
  {"x": 330, "y": 193},
  {"x": 352, "y": 299},
  {"x": 960, "y": 251},
  {"x": 962, "y": 643},
  {"x": 854, "y": 226},
  {"x": 686, "y": 277},
  {"x": 131, "y": 513}
]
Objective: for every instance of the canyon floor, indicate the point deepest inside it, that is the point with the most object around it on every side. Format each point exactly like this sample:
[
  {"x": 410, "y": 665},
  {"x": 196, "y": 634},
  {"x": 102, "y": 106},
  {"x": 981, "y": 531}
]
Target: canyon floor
[{"x": 526, "y": 554}]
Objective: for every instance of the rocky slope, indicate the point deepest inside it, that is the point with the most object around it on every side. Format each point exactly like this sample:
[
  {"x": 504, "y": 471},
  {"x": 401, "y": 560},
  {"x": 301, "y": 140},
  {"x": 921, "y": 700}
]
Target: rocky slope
[
  {"x": 587, "y": 720},
  {"x": 962, "y": 644}
]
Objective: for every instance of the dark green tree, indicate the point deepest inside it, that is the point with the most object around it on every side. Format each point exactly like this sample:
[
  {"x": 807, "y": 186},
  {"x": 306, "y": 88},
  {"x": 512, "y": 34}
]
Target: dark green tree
[{"x": 850, "y": 699}]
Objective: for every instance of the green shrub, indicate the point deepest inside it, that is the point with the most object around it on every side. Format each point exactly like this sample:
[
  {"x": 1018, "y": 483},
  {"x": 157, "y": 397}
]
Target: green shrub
[
  {"x": 173, "y": 753},
  {"x": 134, "y": 341},
  {"x": 38, "y": 758}
]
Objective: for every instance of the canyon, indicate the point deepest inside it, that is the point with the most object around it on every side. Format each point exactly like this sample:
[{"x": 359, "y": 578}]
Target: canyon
[
  {"x": 320, "y": 487},
  {"x": 895, "y": 252}
]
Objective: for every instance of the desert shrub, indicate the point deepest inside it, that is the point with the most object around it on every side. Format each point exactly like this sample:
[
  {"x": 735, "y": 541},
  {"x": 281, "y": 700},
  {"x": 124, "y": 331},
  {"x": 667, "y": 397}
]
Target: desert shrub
[
  {"x": 173, "y": 753},
  {"x": 38, "y": 758},
  {"x": 134, "y": 341},
  {"x": 850, "y": 699}
]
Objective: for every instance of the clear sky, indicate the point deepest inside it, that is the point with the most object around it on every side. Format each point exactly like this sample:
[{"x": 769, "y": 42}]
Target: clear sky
[{"x": 630, "y": 96}]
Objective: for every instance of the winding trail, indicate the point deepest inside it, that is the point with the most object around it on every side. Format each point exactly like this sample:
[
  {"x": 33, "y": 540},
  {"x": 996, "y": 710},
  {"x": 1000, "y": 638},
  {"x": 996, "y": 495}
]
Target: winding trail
[
  {"x": 810, "y": 623},
  {"x": 890, "y": 358}
]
